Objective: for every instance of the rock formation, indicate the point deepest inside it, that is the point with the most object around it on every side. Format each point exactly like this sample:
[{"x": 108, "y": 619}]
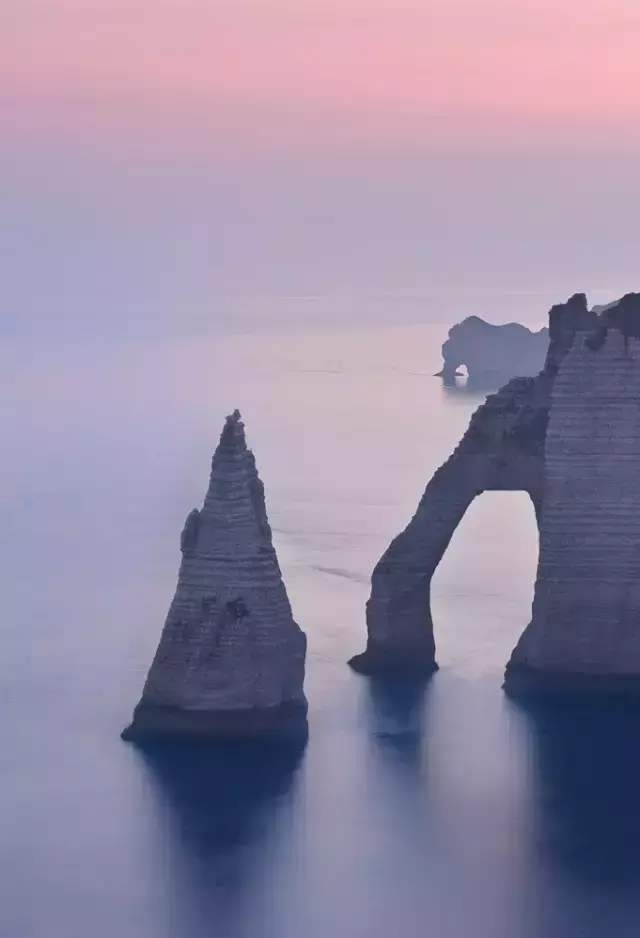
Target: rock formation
[
  {"x": 603, "y": 307},
  {"x": 503, "y": 449},
  {"x": 493, "y": 353},
  {"x": 585, "y": 629},
  {"x": 230, "y": 663}
]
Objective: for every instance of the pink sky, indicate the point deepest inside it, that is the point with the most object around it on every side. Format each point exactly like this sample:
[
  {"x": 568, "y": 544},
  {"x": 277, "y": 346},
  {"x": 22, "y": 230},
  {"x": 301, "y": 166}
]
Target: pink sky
[
  {"x": 324, "y": 71},
  {"x": 161, "y": 154}
]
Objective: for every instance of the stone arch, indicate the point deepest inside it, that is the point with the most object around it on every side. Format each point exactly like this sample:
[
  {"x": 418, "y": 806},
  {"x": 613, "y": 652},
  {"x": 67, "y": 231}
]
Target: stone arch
[{"x": 501, "y": 451}]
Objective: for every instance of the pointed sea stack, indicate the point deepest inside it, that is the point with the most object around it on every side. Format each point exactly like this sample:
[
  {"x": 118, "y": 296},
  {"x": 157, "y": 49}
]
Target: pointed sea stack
[{"x": 230, "y": 664}]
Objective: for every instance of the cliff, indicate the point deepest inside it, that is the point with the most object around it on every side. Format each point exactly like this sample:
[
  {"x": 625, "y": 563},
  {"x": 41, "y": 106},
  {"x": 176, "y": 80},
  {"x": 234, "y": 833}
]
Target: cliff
[
  {"x": 493, "y": 353},
  {"x": 585, "y": 628},
  {"x": 230, "y": 662},
  {"x": 503, "y": 449}
]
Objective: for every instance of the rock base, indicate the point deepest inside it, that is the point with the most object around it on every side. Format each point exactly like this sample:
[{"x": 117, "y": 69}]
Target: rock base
[
  {"x": 521, "y": 680},
  {"x": 285, "y": 723},
  {"x": 394, "y": 662}
]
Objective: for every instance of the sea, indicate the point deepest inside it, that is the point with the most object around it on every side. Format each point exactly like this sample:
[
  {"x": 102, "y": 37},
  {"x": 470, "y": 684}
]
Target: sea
[{"x": 447, "y": 810}]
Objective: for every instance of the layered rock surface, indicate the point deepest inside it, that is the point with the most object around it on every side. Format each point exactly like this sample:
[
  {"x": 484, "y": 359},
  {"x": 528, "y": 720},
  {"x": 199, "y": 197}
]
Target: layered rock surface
[
  {"x": 231, "y": 658},
  {"x": 585, "y": 629},
  {"x": 503, "y": 449},
  {"x": 493, "y": 353}
]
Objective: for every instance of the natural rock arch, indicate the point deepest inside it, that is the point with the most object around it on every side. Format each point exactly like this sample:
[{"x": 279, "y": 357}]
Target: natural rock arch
[
  {"x": 489, "y": 351},
  {"x": 502, "y": 450}
]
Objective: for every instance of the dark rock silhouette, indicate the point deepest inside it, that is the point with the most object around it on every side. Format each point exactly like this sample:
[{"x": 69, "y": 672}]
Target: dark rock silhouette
[
  {"x": 492, "y": 354},
  {"x": 231, "y": 658}
]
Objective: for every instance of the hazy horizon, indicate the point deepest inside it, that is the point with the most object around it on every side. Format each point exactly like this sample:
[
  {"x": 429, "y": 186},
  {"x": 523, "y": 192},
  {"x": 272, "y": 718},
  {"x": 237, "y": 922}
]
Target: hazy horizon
[{"x": 179, "y": 165}]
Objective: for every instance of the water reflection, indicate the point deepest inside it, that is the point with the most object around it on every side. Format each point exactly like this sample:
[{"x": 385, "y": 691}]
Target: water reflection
[
  {"x": 219, "y": 809},
  {"x": 407, "y": 875},
  {"x": 396, "y": 764},
  {"x": 396, "y": 710},
  {"x": 587, "y": 780}
]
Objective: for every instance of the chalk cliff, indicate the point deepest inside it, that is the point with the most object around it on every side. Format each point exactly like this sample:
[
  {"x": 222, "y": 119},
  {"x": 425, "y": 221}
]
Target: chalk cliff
[
  {"x": 231, "y": 658},
  {"x": 503, "y": 449},
  {"x": 585, "y": 628},
  {"x": 493, "y": 353}
]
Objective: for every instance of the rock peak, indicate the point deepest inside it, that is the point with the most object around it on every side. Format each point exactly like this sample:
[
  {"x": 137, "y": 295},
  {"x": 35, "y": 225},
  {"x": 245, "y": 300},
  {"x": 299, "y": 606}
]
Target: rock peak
[
  {"x": 233, "y": 431},
  {"x": 565, "y": 320},
  {"x": 231, "y": 658},
  {"x": 624, "y": 316}
]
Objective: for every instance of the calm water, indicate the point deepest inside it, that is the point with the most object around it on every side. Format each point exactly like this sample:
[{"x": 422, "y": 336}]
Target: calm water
[{"x": 445, "y": 813}]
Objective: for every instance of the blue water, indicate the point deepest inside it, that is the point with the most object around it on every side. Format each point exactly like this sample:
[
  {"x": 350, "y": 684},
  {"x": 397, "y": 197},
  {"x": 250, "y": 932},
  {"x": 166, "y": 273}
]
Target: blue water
[{"x": 448, "y": 812}]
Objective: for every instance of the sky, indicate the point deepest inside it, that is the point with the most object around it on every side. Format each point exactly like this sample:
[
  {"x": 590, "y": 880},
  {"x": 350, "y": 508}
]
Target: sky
[
  {"x": 164, "y": 156},
  {"x": 289, "y": 73}
]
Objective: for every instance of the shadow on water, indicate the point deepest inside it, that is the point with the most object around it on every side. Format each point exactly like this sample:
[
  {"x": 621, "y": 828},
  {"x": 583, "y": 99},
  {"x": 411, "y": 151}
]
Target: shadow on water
[
  {"x": 219, "y": 792},
  {"x": 396, "y": 717},
  {"x": 220, "y": 806},
  {"x": 587, "y": 784}
]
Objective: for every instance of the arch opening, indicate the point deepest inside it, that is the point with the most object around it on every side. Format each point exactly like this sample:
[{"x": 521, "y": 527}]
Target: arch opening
[{"x": 482, "y": 589}]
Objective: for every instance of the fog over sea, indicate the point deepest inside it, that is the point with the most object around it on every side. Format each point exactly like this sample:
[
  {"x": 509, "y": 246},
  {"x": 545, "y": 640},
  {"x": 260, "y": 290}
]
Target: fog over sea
[{"x": 452, "y": 813}]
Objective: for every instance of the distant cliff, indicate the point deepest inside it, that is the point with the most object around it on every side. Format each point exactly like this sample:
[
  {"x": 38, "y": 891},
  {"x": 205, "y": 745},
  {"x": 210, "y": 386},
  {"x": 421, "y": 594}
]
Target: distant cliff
[{"x": 493, "y": 353}]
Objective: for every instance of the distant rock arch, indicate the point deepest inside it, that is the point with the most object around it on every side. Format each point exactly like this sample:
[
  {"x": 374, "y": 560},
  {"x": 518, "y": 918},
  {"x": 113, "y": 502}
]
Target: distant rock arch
[{"x": 491, "y": 354}]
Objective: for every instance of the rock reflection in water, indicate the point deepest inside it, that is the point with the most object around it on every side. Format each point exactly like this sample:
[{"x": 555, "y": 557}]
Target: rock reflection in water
[
  {"x": 397, "y": 708},
  {"x": 220, "y": 806},
  {"x": 587, "y": 775}
]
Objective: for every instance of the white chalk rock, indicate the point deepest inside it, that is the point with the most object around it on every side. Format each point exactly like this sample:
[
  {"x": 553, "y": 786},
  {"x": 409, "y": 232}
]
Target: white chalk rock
[
  {"x": 231, "y": 658},
  {"x": 585, "y": 628}
]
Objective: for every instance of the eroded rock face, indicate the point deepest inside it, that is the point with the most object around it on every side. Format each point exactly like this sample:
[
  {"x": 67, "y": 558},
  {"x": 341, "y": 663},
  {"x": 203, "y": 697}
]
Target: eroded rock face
[
  {"x": 493, "y": 353},
  {"x": 503, "y": 450},
  {"x": 231, "y": 658},
  {"x": 585, "y": 629}
]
